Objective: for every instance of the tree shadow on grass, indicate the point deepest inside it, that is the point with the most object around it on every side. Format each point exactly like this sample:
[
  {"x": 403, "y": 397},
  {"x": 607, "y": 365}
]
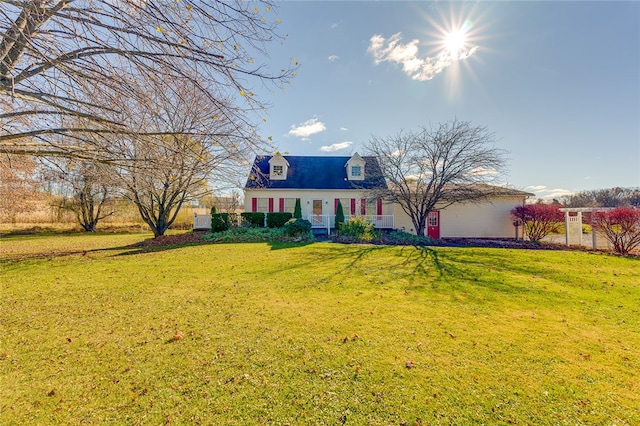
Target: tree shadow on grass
[
  {"x": 278, "y": 245},
  {"x": 458, "y": 270}
]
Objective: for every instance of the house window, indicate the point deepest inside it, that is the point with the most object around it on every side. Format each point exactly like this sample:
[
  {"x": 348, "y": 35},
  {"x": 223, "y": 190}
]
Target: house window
[
  {"x": 289, "y": 205},
  {"x": 432, "y": 219},
  {"x": 278, "y": 170},
  {"x": 372, "y": 207},
  {"x": 263, "y": 205},
  {"x": 346, "y": 206},
  {"x": 356, "y": 171}
]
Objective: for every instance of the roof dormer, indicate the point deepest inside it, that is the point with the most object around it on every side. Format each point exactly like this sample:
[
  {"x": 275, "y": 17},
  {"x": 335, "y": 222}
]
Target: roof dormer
[
  {"x": 278, "y": 167},
  {"x": 355, "y": 167}
]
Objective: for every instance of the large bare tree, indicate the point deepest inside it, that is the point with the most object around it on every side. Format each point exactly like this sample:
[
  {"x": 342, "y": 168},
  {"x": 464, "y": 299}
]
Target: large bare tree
[
  {"x": 189, "y": 143},
  {"x": 447, "y": 163},
  {"x": 55, "y": 55}
]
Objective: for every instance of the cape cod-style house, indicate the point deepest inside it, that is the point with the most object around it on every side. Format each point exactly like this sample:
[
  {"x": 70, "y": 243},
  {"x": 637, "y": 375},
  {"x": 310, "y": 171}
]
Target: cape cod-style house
[{"x": 275, "y": 182}]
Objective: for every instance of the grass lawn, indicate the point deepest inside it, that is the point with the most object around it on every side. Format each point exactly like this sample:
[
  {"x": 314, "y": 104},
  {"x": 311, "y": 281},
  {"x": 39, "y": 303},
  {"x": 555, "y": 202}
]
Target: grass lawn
[{"x": 93, "y": 331}]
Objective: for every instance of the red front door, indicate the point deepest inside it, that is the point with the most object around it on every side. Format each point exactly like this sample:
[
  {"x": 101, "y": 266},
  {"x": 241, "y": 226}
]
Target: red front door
[{"x": 433, "y": 224}]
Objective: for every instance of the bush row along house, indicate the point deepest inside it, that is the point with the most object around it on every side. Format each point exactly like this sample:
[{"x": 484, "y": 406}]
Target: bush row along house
[{"x": 275, "y": 182}]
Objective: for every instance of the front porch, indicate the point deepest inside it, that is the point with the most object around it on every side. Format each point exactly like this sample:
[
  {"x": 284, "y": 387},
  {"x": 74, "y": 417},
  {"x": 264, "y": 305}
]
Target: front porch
[{"x": 328, "y": 221}]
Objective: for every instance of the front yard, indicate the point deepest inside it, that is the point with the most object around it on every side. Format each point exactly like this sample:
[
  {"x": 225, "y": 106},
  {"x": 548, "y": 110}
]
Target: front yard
[{"x": 98, "y": 329}]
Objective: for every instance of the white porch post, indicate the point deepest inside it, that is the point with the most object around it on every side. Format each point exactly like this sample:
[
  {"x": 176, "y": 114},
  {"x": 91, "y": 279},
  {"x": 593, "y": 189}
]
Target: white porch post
[
  {"x": 593, "y": 231},
  {"x": 566, "y": 228}
]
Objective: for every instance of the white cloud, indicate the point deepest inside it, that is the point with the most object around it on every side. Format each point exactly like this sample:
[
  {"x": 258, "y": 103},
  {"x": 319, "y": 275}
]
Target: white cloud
[
  {"x": 407, "y": 55},
  {"x": 536, "y": 188},
  {"x": 308, "y": 128},
  {"x": 546, "y": 193},
  {"x": 333, "y": 58},
  {"x": 483, "y": 171},
  {"x": 558, "y": 192},
  {"x": 344, "y": 129},
  {"x": 335, "y": 146}
]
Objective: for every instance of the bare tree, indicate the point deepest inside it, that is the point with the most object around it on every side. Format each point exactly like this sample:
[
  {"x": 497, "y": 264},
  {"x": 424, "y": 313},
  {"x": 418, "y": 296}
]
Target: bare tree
[
  {"x": 441, "y": 165},
  {"x": 192, "y": 144},
  {"x": 86, "y": 189},
  {"x": 609, "y": 197},
  {"x": 56, "y": 54}
]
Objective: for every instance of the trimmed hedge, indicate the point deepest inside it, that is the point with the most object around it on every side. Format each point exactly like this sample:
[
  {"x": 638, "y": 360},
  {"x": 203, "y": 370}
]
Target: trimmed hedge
[
  {"x": 220, "y": 222},
  {"x": 253, "y": 219},
  {"x": 277, "y": 219},
  {"x": 296, "y": 227}
]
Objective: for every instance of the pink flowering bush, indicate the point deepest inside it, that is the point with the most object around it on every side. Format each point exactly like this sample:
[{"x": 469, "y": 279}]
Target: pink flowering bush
[
  {"x": 621, "y": 226},
  {"x": 539, "y": 220}
]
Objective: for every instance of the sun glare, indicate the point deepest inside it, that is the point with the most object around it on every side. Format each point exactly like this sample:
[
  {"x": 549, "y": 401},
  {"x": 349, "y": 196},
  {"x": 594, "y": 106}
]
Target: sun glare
[{"x": 454, "y": 42}]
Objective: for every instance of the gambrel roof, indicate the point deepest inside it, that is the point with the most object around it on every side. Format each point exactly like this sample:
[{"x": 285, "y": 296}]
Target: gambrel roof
[{"x": 308, "y": 172}]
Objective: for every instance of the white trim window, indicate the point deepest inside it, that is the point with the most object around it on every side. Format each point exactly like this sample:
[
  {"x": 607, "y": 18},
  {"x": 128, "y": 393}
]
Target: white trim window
[
  {"x": 263, "y": 205},
  {"x": 289, "y": 205}
]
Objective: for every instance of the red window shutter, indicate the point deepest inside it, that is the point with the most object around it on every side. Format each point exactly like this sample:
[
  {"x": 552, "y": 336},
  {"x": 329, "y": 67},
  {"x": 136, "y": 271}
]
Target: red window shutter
[
  {"x": 379, "y": 206},
  {"x": 363, "y": 206},
  {"x": 270, "y": 205},
  {"x": 254, "y": 204},
  {"x": 281, "y": 204},
  {"x": 335, "y": 205},
  {"x": 353, "y": 206}
]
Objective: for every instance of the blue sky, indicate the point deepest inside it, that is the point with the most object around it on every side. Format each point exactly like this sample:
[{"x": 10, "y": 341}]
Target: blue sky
[{"x": 558, "y": 82}]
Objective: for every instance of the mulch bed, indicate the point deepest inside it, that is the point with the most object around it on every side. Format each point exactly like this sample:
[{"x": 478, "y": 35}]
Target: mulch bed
[
  {"x": 196, "y": 237},
  {"x": 170, "y": 240}
]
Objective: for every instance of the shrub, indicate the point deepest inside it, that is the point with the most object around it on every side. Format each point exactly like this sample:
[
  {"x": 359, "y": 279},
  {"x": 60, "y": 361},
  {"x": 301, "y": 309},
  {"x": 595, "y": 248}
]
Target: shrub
[
  {"x": 253, "y": 219},
  {"x": 339, "y": 215},
  {"x": 297, "y": 211},
  {"x": 296, "y": 227},
  {"x": 245, "y": 235},
  {"x": 406, "y": 239},
  {"x": 359, "y": 228},
  {"x": 277, "y": 219},
  {"x": 219, "y": 222},
  {"x": 253, "y": 235},
  {"x": 621, "y": 226},
  {"x": 233, "y": 220},
  {"x": 539, "y": 219}
]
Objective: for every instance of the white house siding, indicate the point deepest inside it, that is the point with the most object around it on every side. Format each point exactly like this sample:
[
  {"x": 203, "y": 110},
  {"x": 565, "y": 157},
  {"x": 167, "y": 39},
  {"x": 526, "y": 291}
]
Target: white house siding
[
  {"x": 307, "y": 197},
  {"x": 489, "y": 219}
]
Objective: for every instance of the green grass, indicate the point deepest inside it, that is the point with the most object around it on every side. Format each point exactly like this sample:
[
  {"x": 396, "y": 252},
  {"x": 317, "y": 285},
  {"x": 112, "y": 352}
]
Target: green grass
[{"x": 93, "y": 331}]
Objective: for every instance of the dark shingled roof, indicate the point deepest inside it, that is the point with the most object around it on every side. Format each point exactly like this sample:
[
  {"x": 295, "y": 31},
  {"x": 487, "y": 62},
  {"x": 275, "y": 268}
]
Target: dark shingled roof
[{"x": 315, "y": 173}]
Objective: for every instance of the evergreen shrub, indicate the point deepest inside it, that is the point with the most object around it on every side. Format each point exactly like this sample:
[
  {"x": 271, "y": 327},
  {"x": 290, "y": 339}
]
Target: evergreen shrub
[
  {"x": 277, "y": 219},
  {"x": 253, "y": 219},
  {"x": 295, "y": 227}
]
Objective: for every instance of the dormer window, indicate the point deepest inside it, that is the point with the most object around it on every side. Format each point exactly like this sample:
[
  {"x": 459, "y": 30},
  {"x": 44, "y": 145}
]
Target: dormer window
[
  {"x": 278, "y": 166},
  {"x": 355, "y": 167}
]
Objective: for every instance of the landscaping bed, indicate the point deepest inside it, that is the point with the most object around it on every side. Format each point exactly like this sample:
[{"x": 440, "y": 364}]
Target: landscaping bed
[{"x": 385, "y": 239}]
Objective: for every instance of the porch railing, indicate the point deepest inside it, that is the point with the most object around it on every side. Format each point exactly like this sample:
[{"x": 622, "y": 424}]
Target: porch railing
[{"x": 328, "y": 221}]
